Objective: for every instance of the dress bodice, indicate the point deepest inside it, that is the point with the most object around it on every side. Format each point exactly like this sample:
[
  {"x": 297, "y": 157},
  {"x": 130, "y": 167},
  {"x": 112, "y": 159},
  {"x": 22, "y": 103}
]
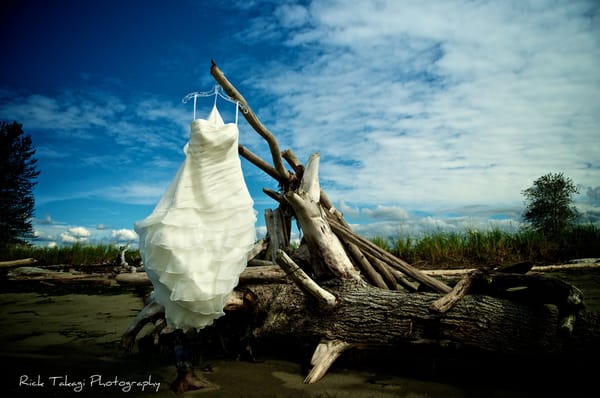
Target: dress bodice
[{"x": 211, "y": 139}]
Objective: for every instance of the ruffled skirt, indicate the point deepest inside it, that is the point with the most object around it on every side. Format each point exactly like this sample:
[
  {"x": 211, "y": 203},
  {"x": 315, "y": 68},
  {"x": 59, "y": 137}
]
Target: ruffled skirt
[{"x": 195, "y": 243}]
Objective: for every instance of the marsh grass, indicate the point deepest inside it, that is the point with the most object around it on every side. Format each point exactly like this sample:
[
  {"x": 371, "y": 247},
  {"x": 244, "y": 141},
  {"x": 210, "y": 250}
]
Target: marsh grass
[
  {"x": 493, "y": 247},
  {"x": 76, "y": 254}
]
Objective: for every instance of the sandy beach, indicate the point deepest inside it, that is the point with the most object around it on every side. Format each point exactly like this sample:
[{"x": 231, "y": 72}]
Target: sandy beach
[
  {"x": 61, "y": 344},
  {"x": 68, "y": 344}
]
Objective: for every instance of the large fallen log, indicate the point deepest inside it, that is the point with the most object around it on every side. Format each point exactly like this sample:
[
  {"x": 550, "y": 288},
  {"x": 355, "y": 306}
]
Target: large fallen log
[
  {"x": 258, "y": 271},
  {"x": 260, "y": 274},
  {"x": 458, "y": 272},
  {"x": 17, "y": 263},
  {"x": 37, "y": 274},
  {"x": 370, "y": 318}
]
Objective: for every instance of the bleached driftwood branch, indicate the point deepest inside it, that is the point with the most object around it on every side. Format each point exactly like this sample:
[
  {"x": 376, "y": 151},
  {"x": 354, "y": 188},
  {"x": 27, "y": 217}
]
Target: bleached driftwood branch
[
  {"x": 17, "y": 263},
  {"x": 325, "y": 247},
  {"x": 325, "y": 354},
  {"x": 252, "y": 119},
  {"x": 304, "y": 282}
]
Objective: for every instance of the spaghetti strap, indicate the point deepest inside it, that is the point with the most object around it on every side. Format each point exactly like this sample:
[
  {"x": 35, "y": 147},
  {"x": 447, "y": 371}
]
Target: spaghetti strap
[{"x": 217, "y": 92}]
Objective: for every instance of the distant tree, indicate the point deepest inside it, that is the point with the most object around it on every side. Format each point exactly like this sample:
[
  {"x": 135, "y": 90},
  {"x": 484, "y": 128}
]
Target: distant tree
[
  {"x": 17, "y": 174},
  {"x": 549, "y": 205}
]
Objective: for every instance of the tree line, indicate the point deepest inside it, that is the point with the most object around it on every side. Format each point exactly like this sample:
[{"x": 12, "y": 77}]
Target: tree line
[{"x": 18, "y": 174}]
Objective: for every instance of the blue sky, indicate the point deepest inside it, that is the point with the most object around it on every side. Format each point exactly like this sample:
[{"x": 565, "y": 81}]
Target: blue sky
[{"x": 427, "y": 115}]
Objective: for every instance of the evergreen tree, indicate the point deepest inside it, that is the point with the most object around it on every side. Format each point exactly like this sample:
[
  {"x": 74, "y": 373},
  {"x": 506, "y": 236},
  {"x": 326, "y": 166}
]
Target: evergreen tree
[
  {"x": 550, "y": 207},
  {"x": 17, "y": 174}
]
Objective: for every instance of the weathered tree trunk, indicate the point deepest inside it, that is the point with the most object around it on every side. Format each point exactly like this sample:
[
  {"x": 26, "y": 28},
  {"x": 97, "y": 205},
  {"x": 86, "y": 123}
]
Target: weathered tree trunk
[
  {"x": 347, "y": 314},
  {"x": 367, "y": 316},
  {"x": 17, "y": 263},
  {"x": 343, "y": 292}
]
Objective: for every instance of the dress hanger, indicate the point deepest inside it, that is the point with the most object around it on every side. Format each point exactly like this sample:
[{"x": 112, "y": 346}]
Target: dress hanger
[{"x": 217, "y": 91}]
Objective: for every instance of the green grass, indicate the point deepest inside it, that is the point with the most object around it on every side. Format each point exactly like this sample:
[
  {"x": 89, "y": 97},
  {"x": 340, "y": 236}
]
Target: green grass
[
  {"x": 493, "y": 247},
  {"x": 76, "y": 254}
]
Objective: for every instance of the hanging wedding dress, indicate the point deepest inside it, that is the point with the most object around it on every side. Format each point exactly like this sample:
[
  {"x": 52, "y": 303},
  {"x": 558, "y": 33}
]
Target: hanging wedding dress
[{"x": 195, "y": 243}]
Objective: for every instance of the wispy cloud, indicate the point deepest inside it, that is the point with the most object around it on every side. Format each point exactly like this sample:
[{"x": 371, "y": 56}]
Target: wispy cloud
[
  {"x": 436, "y": 103},
  {"x": 136, "y": 192},
  {"x": 132, "y": 122},
  {"x": 141, "y": 140}
]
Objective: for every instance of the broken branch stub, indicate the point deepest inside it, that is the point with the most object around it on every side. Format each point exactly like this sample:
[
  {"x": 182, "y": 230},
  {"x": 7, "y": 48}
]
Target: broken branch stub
[{"x": 325, "y": 354}]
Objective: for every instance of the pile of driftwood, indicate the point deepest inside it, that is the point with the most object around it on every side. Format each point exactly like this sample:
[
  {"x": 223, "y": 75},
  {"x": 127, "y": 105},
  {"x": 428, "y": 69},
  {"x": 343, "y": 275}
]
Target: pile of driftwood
[{"x": 345, "y": 292}]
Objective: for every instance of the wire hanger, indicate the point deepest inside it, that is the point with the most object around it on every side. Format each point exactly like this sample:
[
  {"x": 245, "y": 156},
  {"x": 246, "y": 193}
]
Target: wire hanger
[{"x": 217, "y": 91}]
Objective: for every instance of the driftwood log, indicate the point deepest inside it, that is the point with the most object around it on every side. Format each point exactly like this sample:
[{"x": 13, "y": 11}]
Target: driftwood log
[
  {"x": 341, "y": 291},
  {"x": 17, "y": 263}
]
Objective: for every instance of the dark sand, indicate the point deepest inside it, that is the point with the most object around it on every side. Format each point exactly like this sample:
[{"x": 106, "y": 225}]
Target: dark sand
[{"x": 64, "y": 339}]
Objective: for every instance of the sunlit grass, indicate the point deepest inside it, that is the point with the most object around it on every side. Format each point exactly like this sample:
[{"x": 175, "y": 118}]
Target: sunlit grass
[
  {"x": 76, "y": 254},
  {"x": 493, "y": 247}
]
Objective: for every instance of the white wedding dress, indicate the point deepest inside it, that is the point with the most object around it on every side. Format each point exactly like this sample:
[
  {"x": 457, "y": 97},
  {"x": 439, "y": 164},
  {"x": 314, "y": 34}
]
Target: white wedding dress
[{"x": 195, "y": 243}]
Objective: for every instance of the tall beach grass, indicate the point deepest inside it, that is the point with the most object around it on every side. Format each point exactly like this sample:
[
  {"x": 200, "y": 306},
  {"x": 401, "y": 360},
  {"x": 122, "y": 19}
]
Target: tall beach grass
[
  {"x": 76, "y": 254},
  {"x": 493, "y": 247}
]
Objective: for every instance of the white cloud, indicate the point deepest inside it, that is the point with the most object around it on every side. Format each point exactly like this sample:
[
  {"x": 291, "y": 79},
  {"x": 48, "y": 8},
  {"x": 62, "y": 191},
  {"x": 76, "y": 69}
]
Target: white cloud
[
  {"x": 46, "y": 220},
  {"x": 60, "y": 233},
  {"x": 416, "y": 226},
  {"x": 292, "y": 15},
  {"x": 80, "y": 232},
  {"x": 347, "y": 210},
  {"x": 124, "y": 235},
  {"x": 593, "y": 195},
  {"x": 65, "y": 237},
  {"x": 425, "y": 104},
  {"x": 261, "y": 232}
]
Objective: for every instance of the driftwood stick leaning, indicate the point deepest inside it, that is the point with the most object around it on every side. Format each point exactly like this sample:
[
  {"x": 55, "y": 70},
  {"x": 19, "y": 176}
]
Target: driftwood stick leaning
[
  {"x": 258, "y": 162},
  {"x": 366, "y": 266},
  {"x": 444, "y": 303},
  {"x": 304, "y": 282},
  {"x": 293, "y": 161},
  {"x": 374, "y": 250},
  {"x": 387, "y": 274},
  {"x": 252, "y": 120}
]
